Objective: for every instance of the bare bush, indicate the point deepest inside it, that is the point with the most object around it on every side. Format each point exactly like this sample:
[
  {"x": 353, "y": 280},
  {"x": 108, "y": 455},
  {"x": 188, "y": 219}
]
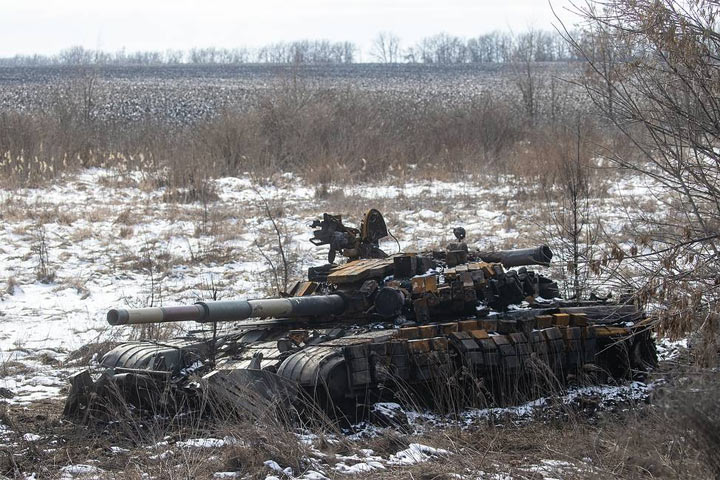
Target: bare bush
[
  {"x": 571, "y": 199},
  {"x": 325, "y": 134},
  {"x": 154, "y": 261},
  {"x": 43, "y": 271},
  {"x": 658, "y": 85},
  {"x": 281, "y": 265}
]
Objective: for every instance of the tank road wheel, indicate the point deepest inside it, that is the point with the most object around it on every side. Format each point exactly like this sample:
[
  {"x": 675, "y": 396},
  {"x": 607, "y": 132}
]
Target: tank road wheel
[
  {"x": 615, "y": 358},
  {"x": 644, "y": 354},
  {"x": 322, "y": 373}
]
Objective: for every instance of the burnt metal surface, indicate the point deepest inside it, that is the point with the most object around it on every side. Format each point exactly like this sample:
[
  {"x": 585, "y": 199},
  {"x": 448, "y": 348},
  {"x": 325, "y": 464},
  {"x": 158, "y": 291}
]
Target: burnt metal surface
[
  {"x": 541, "y": 255},
  {"x": 356, "y": 331}
]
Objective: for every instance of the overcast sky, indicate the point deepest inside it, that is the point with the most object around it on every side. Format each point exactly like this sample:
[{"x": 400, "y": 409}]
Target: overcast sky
[{"x": 36, "y": 26}]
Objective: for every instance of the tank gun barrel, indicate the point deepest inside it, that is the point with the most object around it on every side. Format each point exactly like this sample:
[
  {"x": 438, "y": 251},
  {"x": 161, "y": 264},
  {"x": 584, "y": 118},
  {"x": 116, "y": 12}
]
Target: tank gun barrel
[
  {"x": 232, "y": 310},
  {"x": 517, "y": 258}
]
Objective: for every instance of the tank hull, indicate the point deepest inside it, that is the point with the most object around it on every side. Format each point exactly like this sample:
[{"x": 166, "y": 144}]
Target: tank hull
[
  {"x": 515, "y": 356},
  {"x": 448, "y": 328}
]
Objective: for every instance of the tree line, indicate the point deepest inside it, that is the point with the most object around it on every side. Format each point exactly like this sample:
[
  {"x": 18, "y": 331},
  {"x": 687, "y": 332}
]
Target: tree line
[{"x": 386, "y": 47}]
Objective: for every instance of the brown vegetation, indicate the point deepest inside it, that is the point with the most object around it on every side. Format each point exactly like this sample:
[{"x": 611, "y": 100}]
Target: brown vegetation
[
  {"x": 652, "y": 73},
  {"x": 673, "y": 437},
  {"x": 658, "y": 118},
  {"x": 325, "y": 135}
]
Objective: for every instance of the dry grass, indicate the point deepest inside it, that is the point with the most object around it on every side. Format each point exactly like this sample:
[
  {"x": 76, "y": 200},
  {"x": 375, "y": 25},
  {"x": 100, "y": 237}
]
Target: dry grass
[
  {"x": 325, "y": 135},
  {"x": 88, "y": 352},
  {"x": 76, "y": 283},
  {"x": 647, "y": 441},
  {"x": 11, "y": 285},
  {"x": 13, "y": 209},
  {"x": 10, "y": 368},
  {"x": 259, "y": 444}
]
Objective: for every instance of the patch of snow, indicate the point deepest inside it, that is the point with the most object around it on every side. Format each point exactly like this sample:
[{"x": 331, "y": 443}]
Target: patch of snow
[
  {"x": 273, "y": 465},
  {"x": 363, "y": 431},
  {"x": 416, "y": 453},
  {"x": 306, "y": 438},
  {"x": 557, "y": 469},
  {"x": 31, "y": 437},
  {"x": 360, "y": 467},
  {"x": 491, "y": 476},
  {"x": 206, "y": 442},
  {"x": 313, "y": 475},
  {"x": 387, "y": 408},
  {"x": 162, "y": 456},
  {"x": 668, "y": 350},
  {"x": 606, "y": 394},
  {"x": 80, "y": 470}
]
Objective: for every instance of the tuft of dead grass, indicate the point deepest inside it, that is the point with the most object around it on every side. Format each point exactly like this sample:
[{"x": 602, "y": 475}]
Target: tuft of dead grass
[
  {"x": 259, "y": 444},
  {"x": 11, "y": 286},
  {"x": 11, "y": 368}
]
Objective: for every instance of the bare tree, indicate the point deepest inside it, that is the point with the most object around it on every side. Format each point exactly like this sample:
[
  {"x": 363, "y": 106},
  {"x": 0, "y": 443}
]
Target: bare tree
[
  {"x": 527, "y": 78},
  {"x": 606, "y": 56},
  {"x": 665, "y": 98},
  {"x": 386, "y": 48},
  {"x": 442, "y": 49},
  {"x": 574, "y": 229},
  {"x": 488, "y": 48}
]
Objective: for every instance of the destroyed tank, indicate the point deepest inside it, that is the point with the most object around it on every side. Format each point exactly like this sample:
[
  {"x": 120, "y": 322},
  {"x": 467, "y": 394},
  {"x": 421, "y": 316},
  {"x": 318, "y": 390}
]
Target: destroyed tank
[{"x": 457, "y": 326}]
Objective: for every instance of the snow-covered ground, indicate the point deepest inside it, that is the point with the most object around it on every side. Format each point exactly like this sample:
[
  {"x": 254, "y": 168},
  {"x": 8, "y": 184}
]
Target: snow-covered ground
[
  {"x": 101, "y": 239},
  {"x": 183, "y": 94}
]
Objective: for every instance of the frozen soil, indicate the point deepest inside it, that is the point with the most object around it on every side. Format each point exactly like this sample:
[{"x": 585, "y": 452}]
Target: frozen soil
[{"x": 104, "y": 238}]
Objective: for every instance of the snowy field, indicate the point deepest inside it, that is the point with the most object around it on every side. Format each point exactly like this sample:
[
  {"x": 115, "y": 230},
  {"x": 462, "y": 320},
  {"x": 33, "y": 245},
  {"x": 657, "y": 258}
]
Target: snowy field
[
  {"x": 108, "y": 241},
  {"x": 105, "y": 241},
  {"x": 183, "y": 94},
  {"x": 101, "y": 239}
]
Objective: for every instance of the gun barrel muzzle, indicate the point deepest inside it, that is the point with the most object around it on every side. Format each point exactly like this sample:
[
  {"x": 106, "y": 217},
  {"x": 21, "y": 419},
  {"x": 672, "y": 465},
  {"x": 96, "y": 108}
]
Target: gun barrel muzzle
[
  {"x": 517, "y": 258},
  {"x": 155, "y": 315},
  {"x": 232, "y": 310}
]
